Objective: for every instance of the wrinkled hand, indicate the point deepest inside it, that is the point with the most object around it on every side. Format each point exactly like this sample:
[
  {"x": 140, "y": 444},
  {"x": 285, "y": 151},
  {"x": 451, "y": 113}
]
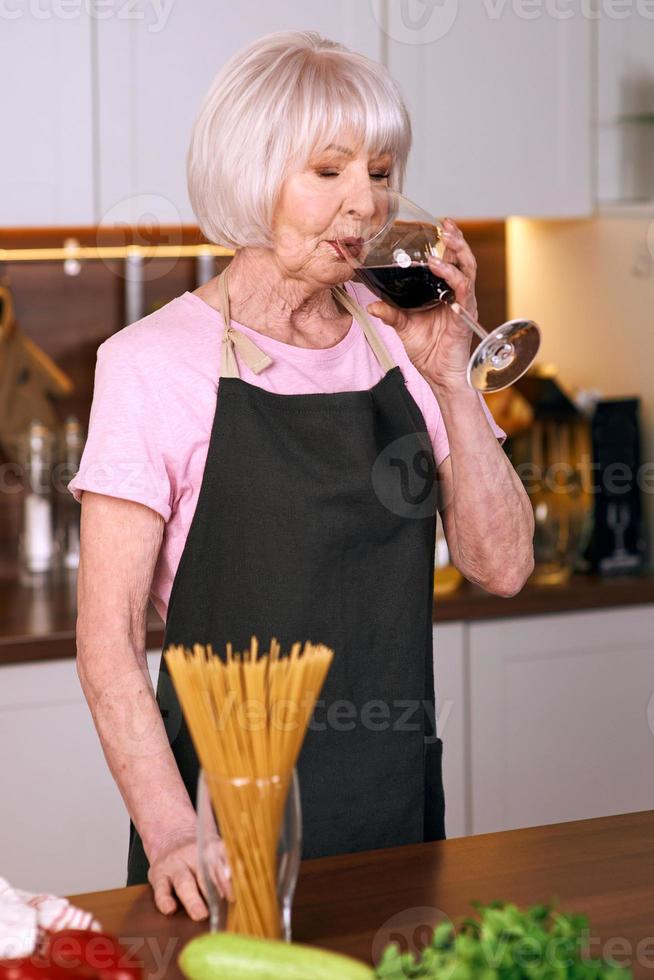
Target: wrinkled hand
[
  {"x": 174, "y": 869},
  {"x": 437, "y": 340}
]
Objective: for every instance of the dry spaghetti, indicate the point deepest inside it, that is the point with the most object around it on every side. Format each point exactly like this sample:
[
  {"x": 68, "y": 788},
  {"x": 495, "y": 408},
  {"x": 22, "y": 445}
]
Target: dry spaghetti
[{"x": 247, "y": 715}]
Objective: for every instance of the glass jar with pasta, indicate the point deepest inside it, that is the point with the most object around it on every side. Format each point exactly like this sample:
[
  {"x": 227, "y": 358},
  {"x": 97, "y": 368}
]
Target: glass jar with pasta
[{"x": 249, "y": 835}]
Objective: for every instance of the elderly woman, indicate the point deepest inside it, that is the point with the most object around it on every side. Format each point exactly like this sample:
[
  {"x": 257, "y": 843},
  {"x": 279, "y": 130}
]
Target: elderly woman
[{"x": 256, "y": 463}]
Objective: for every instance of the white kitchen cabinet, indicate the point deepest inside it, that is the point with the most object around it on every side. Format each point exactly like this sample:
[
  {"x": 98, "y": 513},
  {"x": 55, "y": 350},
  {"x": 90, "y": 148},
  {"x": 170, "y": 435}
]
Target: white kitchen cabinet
[
  {"x": 500, "y": 103},
  {"x": 153, "y": 72},
  {"x": 46, "y": 164},
  {"x": 63, "y": 820},
  {"x": 561, "y": 717},
  {"x": 500, "y": 98},
  {"x": 625, "y": 46},
  {"x": 64, "y": 825}
]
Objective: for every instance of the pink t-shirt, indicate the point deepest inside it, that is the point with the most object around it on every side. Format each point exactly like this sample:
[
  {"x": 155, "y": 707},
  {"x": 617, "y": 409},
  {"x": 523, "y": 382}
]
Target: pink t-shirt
[{"x": 154, "y": 402}]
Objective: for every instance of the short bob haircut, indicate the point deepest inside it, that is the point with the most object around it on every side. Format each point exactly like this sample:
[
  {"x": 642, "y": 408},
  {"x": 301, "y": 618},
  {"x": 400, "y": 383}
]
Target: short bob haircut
[{"x": 273, "y": 104}]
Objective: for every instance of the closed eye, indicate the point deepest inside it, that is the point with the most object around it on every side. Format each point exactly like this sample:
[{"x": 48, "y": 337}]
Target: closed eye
[{"x": 334, "y": 173}]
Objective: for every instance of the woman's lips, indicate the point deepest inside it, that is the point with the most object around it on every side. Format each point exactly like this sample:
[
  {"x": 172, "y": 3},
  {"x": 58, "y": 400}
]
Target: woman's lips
[{"x": 353, "y": 248}]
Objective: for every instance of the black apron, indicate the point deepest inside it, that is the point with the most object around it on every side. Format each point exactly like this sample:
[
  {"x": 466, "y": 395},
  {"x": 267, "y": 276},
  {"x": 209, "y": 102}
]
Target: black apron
[{"x": 316, "y": 521}]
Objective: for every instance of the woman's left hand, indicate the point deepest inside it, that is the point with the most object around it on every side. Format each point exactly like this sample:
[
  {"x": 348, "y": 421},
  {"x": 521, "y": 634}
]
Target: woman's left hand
[{"x": 437, "y": 340}]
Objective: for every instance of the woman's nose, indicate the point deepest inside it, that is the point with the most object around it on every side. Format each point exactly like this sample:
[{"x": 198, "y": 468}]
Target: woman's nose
[{"x": 360, "y": 200}]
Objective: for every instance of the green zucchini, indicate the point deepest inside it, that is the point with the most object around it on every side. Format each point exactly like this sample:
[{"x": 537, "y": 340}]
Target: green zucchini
[{"x": 232, "y": 956}]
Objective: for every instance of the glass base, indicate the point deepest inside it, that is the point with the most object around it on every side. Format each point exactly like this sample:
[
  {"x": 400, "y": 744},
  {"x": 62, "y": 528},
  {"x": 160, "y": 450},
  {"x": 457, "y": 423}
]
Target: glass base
[{"x": 504, "y": 355}]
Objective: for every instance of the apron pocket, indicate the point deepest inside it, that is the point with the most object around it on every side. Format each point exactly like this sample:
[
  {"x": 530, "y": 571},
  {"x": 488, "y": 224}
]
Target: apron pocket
[{"x": 434, "y": 826}]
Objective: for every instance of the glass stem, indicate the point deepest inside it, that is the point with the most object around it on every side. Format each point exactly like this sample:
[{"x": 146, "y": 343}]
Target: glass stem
[{"x": 470, "y": 320}]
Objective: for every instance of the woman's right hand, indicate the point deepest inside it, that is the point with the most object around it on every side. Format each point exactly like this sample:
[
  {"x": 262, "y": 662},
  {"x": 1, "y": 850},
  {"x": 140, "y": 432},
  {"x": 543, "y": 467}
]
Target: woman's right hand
[{"x": 174, "y": 870}]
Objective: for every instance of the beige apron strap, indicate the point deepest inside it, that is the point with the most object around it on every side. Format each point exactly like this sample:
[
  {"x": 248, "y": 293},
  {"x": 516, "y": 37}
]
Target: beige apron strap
[
  {"x": 372, "y": 336},
  {"x": 253, "y": 356}
]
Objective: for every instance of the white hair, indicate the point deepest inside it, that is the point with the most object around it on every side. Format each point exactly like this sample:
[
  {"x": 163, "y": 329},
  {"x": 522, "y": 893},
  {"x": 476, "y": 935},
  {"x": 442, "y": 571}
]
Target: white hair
[{"x": 270, "y": 107}]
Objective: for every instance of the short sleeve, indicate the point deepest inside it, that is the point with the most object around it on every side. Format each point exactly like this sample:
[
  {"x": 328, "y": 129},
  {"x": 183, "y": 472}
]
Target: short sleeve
[
  {"x": 123, "y": 455},
  {"x": 439, "y": 435}
]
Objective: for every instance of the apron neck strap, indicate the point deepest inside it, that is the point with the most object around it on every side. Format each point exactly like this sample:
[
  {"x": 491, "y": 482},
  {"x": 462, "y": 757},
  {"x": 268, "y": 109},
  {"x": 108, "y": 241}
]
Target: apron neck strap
[
  {"x": 254, "y": 357},
  {"x": 379, "y": 349},
  {"x": 257, "y": 359}
]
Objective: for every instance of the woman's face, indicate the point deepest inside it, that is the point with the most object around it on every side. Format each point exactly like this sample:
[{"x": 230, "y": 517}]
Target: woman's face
[{"x": 334, "y": 194}]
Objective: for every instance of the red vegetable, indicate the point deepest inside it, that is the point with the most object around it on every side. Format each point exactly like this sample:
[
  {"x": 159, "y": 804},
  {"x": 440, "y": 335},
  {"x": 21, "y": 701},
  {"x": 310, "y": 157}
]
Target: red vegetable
[
  {"x": 75, "y": 954},
  {"x": 92, "y": 955},
  {"x": 32, "y": 968}
]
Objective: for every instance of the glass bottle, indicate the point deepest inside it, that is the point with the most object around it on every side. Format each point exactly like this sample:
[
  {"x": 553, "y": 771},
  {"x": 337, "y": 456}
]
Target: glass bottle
[
  {"x": 70, "y": 454},
  {"x": 37, "y": 550}
]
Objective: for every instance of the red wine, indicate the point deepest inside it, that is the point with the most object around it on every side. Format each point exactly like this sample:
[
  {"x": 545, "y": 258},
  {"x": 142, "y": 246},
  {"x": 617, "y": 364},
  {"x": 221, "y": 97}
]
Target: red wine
[{"x": 411, "y": 288}]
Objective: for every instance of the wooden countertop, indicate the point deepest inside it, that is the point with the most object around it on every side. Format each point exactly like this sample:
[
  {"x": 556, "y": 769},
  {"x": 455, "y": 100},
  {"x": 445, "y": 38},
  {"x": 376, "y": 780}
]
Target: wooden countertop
[
  {"x": 603, "y": 868},
  {"x": 38, "y": 623},
  {"x": 581, "y": 592}
]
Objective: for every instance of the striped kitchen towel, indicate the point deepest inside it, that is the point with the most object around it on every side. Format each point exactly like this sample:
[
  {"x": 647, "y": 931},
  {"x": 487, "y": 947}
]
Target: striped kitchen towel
[{"x": 24, "y": 917}]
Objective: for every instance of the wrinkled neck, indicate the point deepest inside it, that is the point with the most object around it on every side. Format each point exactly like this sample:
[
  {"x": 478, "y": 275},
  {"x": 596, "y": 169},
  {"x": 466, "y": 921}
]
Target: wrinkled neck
[{"x": 266, "y": 298}]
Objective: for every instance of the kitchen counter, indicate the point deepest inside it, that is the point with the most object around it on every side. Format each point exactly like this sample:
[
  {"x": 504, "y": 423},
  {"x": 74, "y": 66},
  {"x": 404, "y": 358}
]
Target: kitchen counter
[
  {"x": 603, "y": 868},
  {"x": 470, "y": 602},
  {"x": 38, "y": 624}
]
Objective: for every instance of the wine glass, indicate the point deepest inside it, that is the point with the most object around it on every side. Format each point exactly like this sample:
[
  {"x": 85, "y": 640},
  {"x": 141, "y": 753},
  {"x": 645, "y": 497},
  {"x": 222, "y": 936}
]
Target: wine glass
[{"x": 389, "y": 254}]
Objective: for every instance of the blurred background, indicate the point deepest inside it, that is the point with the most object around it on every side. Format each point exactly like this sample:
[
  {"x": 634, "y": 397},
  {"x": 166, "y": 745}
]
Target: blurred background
[{"x": 534, "y": 129}]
